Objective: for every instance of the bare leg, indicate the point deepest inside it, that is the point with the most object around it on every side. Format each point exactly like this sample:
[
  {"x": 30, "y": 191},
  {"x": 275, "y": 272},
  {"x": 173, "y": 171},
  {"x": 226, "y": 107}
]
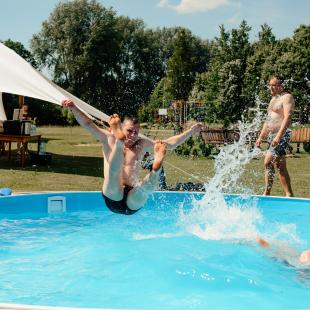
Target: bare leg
[
  {"x": 160, "y": 150},
  {"x": 138, "y": 195},
  {"x": 112, "y": 186},
  {"x": 284, "y": 177},
  {"x": 269, "y": 173}
]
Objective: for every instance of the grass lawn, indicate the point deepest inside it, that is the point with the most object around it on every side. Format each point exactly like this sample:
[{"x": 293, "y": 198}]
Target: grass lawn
[{"x": 77, "y": 166}]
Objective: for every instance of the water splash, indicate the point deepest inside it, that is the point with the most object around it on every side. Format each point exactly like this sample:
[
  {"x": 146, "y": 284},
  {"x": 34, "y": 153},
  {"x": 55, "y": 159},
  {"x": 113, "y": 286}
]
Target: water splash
[{"x": 212, "y": 218}]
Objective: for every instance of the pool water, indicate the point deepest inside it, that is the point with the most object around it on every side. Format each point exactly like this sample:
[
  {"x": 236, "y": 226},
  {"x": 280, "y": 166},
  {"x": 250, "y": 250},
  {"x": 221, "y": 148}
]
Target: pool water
[{"x": 90, "y": 257}]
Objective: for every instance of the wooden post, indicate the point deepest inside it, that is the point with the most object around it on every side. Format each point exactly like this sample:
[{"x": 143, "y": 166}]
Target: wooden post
[{"x": 21, "y": 101}]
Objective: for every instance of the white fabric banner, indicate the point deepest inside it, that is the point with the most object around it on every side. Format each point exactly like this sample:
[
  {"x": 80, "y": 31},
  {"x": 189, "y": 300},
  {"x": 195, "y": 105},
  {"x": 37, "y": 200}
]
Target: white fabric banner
[
  {"x": 2, "y": 112},
  {"x": 18, "y": 77}
]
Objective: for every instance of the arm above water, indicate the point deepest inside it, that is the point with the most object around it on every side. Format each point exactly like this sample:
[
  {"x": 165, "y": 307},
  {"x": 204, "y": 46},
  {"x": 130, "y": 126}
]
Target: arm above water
[
  {"x": 84, "y": 120},
  {"x": 283, "y": 251},
  {"x": 175, "y": 141}
]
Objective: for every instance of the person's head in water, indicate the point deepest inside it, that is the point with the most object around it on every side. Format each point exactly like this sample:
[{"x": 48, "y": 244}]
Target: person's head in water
[
  {"x": 130, "y": 128},
  {"x": 276, "y": 85}
]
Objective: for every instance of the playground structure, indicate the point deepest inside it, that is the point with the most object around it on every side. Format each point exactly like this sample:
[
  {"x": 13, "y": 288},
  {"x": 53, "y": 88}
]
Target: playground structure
[
  {"x": 177, "y": 114},
  {"x": 180, "y": 112},
  {"x": 184, "y": 111}
]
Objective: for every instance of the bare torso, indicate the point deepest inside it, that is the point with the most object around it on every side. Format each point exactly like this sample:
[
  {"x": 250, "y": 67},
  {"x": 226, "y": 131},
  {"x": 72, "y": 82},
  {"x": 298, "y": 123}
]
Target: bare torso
[
  {"x": 132, "y": 164},
  {"x": 276, "y": 112},
  {"x": 131, "y": 161}
]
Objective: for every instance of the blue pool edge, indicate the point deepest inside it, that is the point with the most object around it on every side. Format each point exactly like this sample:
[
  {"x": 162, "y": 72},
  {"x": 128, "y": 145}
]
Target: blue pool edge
[{"x": 48, "y": 202}]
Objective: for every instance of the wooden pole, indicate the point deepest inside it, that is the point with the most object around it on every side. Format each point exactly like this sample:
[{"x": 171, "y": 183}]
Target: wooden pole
[{"x": 21, "y": 101}]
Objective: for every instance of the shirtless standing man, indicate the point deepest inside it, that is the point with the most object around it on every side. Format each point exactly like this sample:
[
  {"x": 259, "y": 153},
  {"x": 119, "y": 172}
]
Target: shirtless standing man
[
  {"x": 123, "y": 150},
  {"x": 276, "y": 128}
]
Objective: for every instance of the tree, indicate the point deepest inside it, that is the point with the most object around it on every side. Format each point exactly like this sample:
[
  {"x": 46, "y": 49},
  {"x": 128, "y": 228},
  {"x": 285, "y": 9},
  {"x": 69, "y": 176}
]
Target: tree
[
  {"x": 140, "y": 66},
  {"x": 290, "y": 58},
  {"x": 254, "y": 81},
  {"x": 78, "y": 44},
  {"x": 266, "y": 36},
  {"x": 189, "y": 57},
  {"x": 112, "y": 62},
  {"x": 181, "y": 57},
  {"x": 224, "y": 81},
  {"x": 159, "y": 98}
]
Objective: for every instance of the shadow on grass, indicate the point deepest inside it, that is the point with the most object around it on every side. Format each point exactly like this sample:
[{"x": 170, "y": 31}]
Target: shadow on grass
[{"x": 68, "y": 164}]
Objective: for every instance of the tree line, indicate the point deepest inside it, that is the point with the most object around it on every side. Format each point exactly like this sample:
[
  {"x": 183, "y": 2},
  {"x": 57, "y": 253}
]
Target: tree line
[{"x": 118, "y": 65}]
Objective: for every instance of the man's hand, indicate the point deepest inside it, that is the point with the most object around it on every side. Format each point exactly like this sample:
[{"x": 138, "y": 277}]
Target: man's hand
[
  {"x": 68, "y": 103},
  {"x": 196, "y": 128},
  {"x": 258, "y": 142},
  {"x": 275, "y": 141}
]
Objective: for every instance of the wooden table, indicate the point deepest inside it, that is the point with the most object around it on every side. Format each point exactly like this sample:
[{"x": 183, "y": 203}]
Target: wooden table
[{"x": 20, "y": 139}]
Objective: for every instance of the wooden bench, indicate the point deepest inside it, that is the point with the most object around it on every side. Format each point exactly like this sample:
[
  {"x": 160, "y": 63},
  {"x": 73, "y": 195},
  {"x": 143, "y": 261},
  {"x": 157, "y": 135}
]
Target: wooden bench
[
  {"x": 300, "y": 135},
  {"x": 225, "y": 136},
  {"x": 214, "y": 136}
]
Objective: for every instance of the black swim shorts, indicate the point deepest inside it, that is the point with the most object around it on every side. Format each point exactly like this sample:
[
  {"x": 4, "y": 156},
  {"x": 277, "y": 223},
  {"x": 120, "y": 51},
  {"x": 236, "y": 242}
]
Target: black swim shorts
[
  {"x": 120, "y": 206},
  {"x": 279, "y": 150}
]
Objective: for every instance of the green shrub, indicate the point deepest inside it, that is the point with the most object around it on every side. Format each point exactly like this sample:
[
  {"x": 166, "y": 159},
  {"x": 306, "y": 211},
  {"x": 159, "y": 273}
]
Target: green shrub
[
  {"x": 196, "y": 151},
  {"x": 306, "y": 146},
  {"x": 195, "y": 147},
  {"x": 186, "y": 149},
  {"x": 206, "y": 149}
]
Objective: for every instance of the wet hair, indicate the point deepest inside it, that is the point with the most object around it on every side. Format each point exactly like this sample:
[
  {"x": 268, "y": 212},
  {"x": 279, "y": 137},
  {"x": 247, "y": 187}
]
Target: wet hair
[
  {"x": 278, "y": 77},
  {"x": 132, "y": 119}
]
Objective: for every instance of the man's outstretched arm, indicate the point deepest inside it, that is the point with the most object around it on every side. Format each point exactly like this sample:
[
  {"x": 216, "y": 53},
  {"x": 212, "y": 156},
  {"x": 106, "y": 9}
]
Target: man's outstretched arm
[
  {"x": 86, "y": 122},
  {"x": 175, "y": 141}
]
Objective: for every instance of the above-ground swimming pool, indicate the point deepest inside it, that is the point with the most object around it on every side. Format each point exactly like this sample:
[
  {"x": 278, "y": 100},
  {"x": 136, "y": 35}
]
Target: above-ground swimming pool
[{"x": 68, "y": 249}]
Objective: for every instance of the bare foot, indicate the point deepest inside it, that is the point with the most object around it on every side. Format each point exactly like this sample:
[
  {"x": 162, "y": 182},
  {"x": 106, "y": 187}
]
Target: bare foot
[
  {"x": 115, "y": 125},
  {"x": 160, "y": 149},
  {"x": 267, "y": 192}
]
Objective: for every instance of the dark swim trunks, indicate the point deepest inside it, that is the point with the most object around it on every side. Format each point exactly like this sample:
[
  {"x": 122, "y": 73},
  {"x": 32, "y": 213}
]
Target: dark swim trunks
[
  {"x": 279, "y": 150},
  {"x": 120, "y": 206}
]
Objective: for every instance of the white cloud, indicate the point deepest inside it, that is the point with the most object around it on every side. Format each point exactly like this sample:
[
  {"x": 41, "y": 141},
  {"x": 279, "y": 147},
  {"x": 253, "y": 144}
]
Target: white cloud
[{"x": 192, "y": 6}]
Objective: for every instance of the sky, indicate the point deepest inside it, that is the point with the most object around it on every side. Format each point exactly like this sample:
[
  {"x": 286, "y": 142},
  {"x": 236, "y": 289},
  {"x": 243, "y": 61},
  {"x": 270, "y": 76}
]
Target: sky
[{"x": 20, "y": 19}]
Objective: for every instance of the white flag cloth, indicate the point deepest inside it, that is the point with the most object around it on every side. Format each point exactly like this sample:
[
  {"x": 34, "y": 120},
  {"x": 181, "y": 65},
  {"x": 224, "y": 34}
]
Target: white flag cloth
[
  {"x": 18, "y": 77},
  {"x": 2, "y": 112}
]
